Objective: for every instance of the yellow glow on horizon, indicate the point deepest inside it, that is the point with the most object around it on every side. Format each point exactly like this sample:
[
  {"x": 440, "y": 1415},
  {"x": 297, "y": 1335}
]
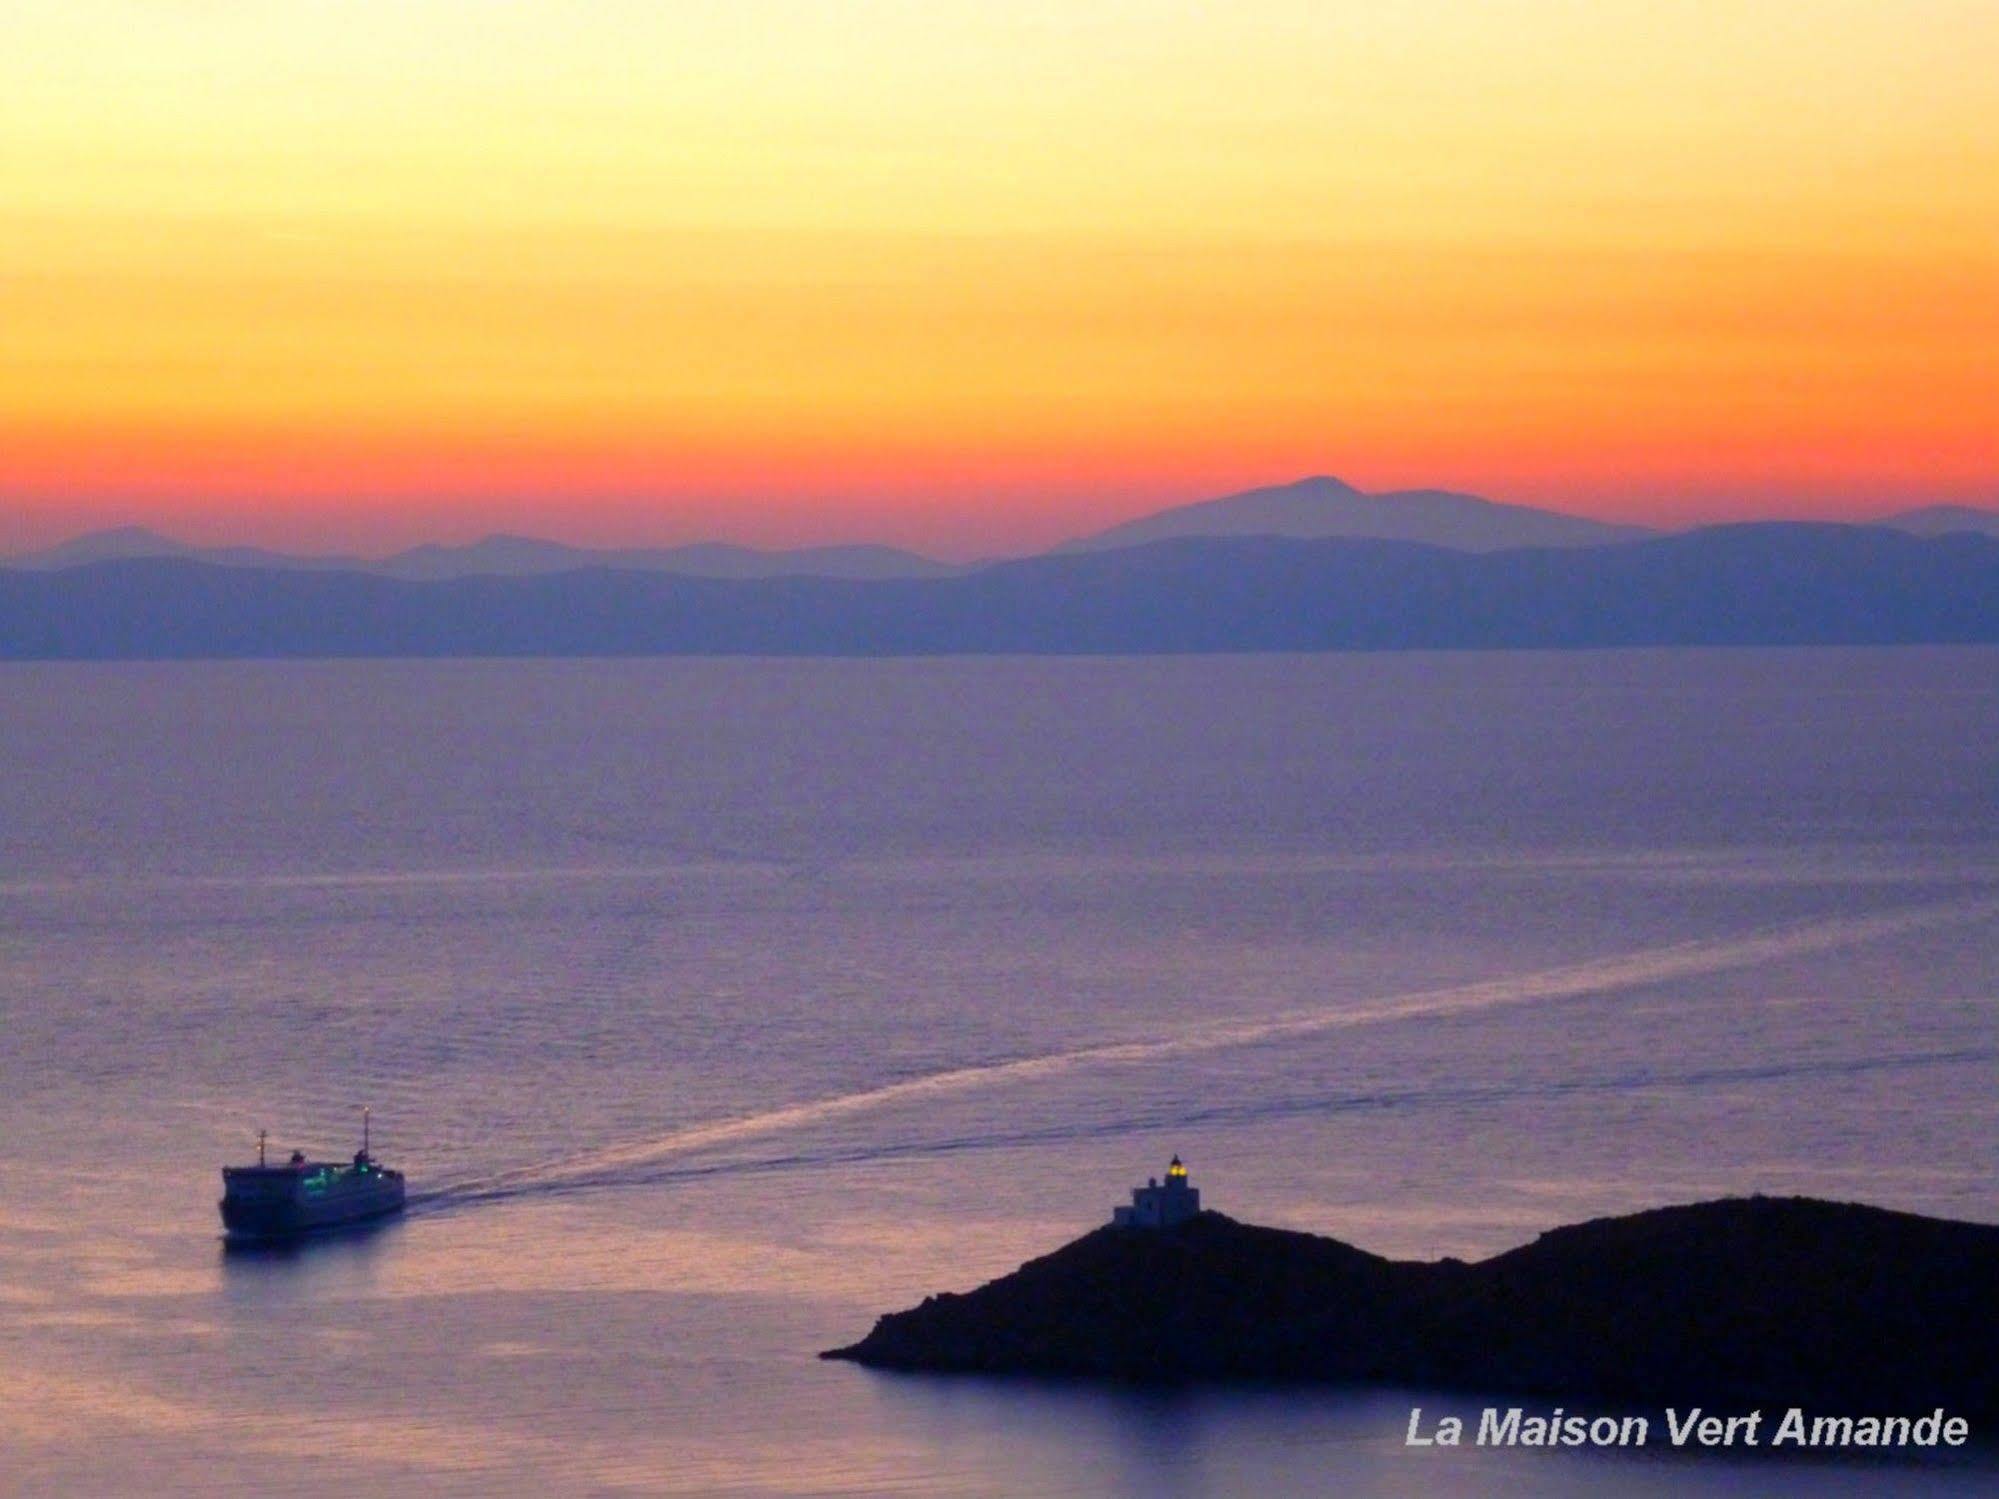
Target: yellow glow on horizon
[{"x": 801, "y": 264}]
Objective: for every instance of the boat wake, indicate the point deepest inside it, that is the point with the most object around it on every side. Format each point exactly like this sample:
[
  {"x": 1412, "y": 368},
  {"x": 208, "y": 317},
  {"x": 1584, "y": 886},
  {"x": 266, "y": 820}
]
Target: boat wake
[{"x": 677, "y": 1153}]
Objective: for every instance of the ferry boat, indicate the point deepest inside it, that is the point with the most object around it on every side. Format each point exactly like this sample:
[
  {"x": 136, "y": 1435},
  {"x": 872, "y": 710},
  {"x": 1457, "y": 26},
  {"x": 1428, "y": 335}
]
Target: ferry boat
[{"x": 301, "y": 1197}]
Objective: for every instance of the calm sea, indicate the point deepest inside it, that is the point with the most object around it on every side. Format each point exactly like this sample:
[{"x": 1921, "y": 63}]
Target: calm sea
[{"x": 715, "y": 1007}]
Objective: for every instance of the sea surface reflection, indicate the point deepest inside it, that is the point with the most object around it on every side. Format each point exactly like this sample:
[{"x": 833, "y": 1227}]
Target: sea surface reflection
[{"x": 716, "y": 1007}]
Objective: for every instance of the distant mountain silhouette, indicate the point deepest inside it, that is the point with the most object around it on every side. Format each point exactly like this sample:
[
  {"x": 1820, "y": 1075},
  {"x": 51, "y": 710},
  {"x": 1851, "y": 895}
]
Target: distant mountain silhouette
[
  {"x": 1326, "y": 507},
  {"x": 1769, "y": 584},
  {"x": 1321, "y": 508},
  {"x": 504, "y": 556},
  {"x": 521, "y": 556},
  {"x": 1943, "y": 520},
  {"x": 138, "y": 541},
  {"x": 104, "y": 546}
]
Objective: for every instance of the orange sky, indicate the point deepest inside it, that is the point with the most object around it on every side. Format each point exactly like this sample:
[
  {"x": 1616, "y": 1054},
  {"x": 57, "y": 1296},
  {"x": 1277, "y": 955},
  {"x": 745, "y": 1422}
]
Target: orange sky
[{"x": 972, "y": 276}]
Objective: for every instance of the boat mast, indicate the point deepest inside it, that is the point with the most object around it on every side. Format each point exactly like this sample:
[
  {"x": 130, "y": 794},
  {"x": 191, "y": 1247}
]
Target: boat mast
[
  {"x": 260, "y": 1147},
  {"x": 364, "y": 1128}
]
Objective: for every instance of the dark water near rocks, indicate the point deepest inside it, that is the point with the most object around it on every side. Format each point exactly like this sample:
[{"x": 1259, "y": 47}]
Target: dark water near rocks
[{"x": 715, "y": 1007}]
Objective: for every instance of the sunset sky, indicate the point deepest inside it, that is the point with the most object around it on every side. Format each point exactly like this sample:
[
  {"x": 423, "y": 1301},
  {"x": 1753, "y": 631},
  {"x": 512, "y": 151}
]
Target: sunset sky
[{"x": 971, "y": 275}]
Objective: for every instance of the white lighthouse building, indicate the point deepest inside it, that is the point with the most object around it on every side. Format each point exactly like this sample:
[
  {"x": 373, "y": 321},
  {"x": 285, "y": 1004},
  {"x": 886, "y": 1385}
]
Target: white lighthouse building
[{"x": 1160, "y": 1205}]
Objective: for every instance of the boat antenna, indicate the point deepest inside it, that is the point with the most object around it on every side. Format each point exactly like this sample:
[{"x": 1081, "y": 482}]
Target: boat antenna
[
  {"x": 260, "y": 1146},
  {"x": 365, "y": 1111}
]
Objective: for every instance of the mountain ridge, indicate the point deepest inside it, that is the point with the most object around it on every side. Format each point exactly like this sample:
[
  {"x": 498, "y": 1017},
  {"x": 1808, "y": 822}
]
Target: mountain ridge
[
  {"x": 1319, "y": 507},
  {"x": 1943, "y": 520},
  {"x": 1322, "y": 506},
  {"x": 1773, "y": 583},
  {"x": 499, "y": 554}
]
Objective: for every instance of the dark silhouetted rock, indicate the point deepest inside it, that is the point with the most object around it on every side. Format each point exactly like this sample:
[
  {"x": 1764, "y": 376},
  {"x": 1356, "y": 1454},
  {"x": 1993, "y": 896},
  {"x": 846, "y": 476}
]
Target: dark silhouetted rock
[{"x": 1743, "y": 1301}]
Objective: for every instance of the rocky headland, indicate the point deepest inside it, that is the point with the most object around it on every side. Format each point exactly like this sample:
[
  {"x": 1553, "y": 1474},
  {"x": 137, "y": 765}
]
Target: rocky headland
[{"x": 1741, "y": 1302}]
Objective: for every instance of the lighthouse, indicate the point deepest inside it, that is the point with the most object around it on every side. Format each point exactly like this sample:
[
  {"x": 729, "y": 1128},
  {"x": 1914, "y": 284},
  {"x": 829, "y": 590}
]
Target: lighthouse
[{"x": 1160, "y": 1205}]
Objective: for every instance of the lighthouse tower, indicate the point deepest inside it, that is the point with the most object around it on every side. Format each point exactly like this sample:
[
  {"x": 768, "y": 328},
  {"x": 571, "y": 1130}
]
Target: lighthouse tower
[{"x": 1157, "y": 1205}]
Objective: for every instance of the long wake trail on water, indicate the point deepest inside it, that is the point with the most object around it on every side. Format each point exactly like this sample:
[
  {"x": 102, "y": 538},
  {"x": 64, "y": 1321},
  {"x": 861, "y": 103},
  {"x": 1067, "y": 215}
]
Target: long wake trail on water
[{"x": 622, "y": 1163}]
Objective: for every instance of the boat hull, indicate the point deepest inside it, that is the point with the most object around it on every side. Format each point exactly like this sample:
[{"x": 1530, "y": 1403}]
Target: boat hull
[{"x": 263, "y": 1205}]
